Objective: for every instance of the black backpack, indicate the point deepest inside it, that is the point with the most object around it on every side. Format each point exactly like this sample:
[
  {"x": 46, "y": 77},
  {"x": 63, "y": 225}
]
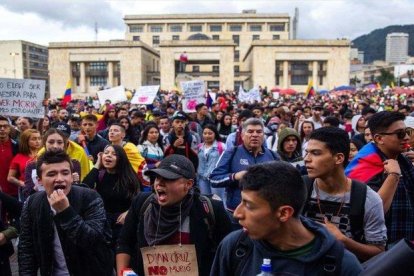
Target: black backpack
[
  {"x": 357, "y": 202},
  {"x": 330, "y": 264}
]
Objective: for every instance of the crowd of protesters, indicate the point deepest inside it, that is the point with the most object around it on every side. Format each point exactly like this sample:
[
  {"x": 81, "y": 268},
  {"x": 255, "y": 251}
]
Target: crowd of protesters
[{"x": 291, "y": 178}]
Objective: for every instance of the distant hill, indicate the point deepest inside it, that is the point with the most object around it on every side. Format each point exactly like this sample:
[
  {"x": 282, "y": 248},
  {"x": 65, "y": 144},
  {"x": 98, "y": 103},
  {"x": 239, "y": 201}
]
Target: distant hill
[{"x": 373, "y": 44}]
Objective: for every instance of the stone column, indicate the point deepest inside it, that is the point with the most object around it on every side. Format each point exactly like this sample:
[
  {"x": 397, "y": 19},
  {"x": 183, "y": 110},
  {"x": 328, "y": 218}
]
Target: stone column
[
  {"x": 82, "y": 78},
  {"x": 227, "y": 68},
  {"x": 315, "y": 74},
  {"x": 285, "y": 74},
  {"x": 110, "y": 81}
]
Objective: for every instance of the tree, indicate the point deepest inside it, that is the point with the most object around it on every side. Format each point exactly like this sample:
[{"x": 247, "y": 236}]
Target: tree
[{"x": 386, "y": 77}]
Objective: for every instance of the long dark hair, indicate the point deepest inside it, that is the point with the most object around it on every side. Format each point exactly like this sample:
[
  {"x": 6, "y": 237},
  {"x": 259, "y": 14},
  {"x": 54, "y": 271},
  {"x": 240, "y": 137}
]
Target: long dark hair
[
  {"x": 130, "y": 134},
  {"x": 144, "y": 136},
  {"x": 127, "y": 178},
  {"x": 213, "y": 128}
]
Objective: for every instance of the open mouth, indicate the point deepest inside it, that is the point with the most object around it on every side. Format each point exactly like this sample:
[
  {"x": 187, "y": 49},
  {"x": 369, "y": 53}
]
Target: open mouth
[
  {"x": 162, "y": 195},
  {"x": 59, "y": 187}
]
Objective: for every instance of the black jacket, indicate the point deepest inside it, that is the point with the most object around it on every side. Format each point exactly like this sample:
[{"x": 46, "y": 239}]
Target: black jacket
[
  {"x": 83, "y": 232},
  {"x": 132, "y": 238}
]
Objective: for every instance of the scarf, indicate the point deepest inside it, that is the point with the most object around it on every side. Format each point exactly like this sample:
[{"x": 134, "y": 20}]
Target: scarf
[{"x": 168, "y": 218}]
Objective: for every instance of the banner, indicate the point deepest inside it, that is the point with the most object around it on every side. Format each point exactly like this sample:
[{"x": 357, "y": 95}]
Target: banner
[
  {"x": 115, "y": 95},
  {"x": 22, "y": 97},
  {"x": 193, "y": 94},
  {"x": 251, "y": 96},
  {"x": 170, "y": 260},
  {"x": 145, "y": 94}
]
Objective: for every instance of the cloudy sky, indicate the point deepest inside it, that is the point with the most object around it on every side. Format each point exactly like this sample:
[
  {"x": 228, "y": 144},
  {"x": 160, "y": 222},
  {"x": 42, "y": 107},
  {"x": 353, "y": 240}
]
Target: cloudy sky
[{"x": 44, "y": 21}]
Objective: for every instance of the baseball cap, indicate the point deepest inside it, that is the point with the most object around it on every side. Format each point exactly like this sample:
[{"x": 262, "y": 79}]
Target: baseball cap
[
  {"x": 65, "y": 128},
  {"x": 179, "y": 116},
  {"x": 173, "y": 167}
]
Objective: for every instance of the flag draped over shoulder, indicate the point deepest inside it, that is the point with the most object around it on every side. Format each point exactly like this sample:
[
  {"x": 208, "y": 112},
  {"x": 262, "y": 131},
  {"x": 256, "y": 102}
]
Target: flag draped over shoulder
[
  {"x": 310, "y": 91},
  {"x": 67, "y": 97},
  {"x": 366, "y": 164}
]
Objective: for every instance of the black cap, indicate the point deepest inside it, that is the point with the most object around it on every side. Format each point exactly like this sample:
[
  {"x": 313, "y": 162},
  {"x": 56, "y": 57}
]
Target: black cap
[
  {"x": 64, "y": 127},
  {"x": 173, "y": 167},
  {"x": 179, "y": 116}
]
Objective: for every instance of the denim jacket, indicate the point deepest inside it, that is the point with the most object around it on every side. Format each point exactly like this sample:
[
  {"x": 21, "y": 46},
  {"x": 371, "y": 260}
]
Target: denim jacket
[{"x": 207, "y": 162}]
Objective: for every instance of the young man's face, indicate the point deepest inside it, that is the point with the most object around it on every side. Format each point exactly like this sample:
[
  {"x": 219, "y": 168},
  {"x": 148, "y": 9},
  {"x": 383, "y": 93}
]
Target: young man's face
[
  {"x": 169, "y": 192},
  {"x": 389, "y": 140},
  {"x": 63, "y": 114},
  {"x": 165, "y": 124},
  {"x": 203, "y": 110},
  {"x": 290, "y": 144},
  {"x": 116, "y": 134},
  {"x": 319, "y": 160},
  {"x": 256, "y": 216},
  {"x": 23, "y": 124},
  {"x": 257, "y": 113},
  {"x": 89, "y": 127},
  {"x": 56, "y": 176},
  {"x": 178, "y": 125},
  {"x": 4, "y": 129}
]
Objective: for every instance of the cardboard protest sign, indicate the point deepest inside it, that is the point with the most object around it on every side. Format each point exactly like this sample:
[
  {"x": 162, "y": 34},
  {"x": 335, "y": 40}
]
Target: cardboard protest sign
[
  {"x": 22, "y": 97},
  {"x": 193, "y": 94},
  {"x": 145, "y": 94},
  {"x": 170, "y": 260},
  {"x": 115, "y": 95}
]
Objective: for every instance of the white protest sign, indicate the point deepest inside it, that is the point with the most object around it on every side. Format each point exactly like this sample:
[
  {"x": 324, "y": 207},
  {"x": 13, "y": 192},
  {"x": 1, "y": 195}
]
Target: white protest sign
[
  {"x": 243, "y": 96},
  {"x": 145, "y": 94},
  {"x": 170, "y": 260},
  {"x": 255, "y": 95},
  {"x": 115, "y": 95},
  {"x": 193, "y": 94},
  {"x": 22, "y": 97}
]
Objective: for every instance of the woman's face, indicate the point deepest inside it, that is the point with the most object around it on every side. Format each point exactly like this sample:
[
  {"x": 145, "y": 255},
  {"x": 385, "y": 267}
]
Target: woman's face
[
  {"x": 208, "y": 135},
  {"x": 153, "y": 135},
  {"x": 109, "y": 158},
  {"x": 35, "y": 141},
  {"x": 46, "y": 122},
  {"x": 125, "y": 123},
  {"x": 112, "y": 113},
  {"x": 352, "y": 151},
  {"x": 227, "y": 120},
  {"x": 219, "y": 115},
  {"x": 55, "y": 142},
  {"x": 307, "y": 128},
  {"x": 361, "y": 122},
  {"x": 234, "y": 120}
]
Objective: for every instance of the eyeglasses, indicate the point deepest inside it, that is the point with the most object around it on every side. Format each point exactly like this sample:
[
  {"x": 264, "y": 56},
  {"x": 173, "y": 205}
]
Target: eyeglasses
[
  {"x": 401, "y": 133},
  {"x": 4, "y": 126}
]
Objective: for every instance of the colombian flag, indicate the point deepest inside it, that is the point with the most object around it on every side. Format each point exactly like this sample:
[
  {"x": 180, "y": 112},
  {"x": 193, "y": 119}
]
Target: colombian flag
[
  {"x": 310, "y": 91},
  {"x": 67, "y": 97}
]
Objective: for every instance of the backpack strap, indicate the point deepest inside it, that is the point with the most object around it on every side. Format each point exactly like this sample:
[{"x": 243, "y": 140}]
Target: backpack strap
[
  {"x": 356, "y": 216},
  {"x": 220, "y": 147},
  {"x": 332, "y": 261},
  {"x": 240, "y": 253},
  {"x": 210, "y": 221}
]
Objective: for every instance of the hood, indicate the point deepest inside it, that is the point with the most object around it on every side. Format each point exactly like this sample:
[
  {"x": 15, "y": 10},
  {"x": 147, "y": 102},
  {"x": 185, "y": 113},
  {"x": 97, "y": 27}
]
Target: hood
[
  {"x": 284, "y": 134},
  {"x": 354, "y": 122},
  {"x": 322, "y": 243}
]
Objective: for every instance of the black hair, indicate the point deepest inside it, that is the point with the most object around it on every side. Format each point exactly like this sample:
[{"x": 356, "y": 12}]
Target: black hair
[
  {"x": 199, "y": 106},
  {"x": 130, "y": 133},
  {"x": 335, "y": 139},
  {"x": 332, "y": 121},
  {"x": 379, "y": 122},
  {"x": 138, "y": 114},
  {"x": 213, "y": 128},
  {"x": 367, "y": 110},
  {"x": 52, "y": 157},
  {"x": 358, "y": 144},
  {"x": 144, "y": 135},
  {"x": 277, "y": 182},
  {"x": 2, "y": 118}
]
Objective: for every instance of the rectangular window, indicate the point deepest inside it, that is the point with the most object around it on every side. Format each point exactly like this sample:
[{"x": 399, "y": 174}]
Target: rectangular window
[
  {"x": 215, "y": 28},
  {"x": 97, "y": 81},
  {"x": 277, "y": 27},
  {"x": 156, "y": 29},
  {"x": 99, "y": 66},
  {"x": 235, "y": 28},
  {"x": 213, "y": 85},
  {"x": 175, "y": 37},
  {"x": 216, "y": 68},
  {"x": 196, "y": 28},
  {"x": 136, "y": 38},
  {"x": 236, "y": 39},
  {"x": 136, "y": 28},
  {"x": 176, "y": 28},
  {"x": 215, "y": 37},
  {"x": 196, "y": 68},
  {"x": 255, "y": 37},
  {"x": 255, "y": 28},
  {"x": 155, "y": 40},
  {"x": 236, "y": 69},
  {"x": 299, "y": 72},
  {"x": 276, "y": 37},
  {"x": 236, "y": 55}
]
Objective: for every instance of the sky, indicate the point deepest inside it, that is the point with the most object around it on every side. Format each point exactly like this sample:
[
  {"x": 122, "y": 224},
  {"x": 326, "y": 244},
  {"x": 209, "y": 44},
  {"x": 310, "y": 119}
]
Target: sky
[{"x": 44, "y": 21}]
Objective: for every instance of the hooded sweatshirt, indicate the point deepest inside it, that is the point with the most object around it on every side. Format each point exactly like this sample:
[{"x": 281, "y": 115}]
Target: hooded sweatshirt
[
  {"x": 297, "y": 154},
  {"x": 354, "y": 123},
  {"x": 308, "y": 264}
]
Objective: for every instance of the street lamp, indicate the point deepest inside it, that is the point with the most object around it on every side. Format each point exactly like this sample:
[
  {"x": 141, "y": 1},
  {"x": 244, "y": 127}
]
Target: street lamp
[{"x": 14, "y": 54}]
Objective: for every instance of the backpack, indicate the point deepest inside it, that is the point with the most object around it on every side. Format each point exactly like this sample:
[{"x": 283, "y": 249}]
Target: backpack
[
  {"x": 357, "y": 202},
  {"x": 330, "y": 265},
  {"x": 234, "y": 150}
]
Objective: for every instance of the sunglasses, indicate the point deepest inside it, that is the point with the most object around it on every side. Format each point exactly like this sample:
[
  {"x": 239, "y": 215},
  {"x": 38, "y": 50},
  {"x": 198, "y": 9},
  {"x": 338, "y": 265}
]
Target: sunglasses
[{"x": 401, "y": 133}]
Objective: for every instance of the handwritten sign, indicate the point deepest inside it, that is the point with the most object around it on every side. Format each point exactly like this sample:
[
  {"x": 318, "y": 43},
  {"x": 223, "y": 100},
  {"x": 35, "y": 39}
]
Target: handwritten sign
[
  {"x": 22, "y": 97},
  {"x": 115, "y": 95},
  {"x": 194, "y": 93},
  {"x": 145, "y": 94},
  {"x": 251, "y": 96},
  {"x": 170, "y": 260}
]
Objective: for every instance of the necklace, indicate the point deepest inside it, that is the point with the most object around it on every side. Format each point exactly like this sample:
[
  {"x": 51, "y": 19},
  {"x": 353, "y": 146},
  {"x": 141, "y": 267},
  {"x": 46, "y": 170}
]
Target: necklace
[{"x": 318, "y": 201}]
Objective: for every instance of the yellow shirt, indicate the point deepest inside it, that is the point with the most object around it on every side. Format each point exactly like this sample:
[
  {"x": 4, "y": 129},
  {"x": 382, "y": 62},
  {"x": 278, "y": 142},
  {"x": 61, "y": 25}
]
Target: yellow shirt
[{"x": 134, "y": 157}]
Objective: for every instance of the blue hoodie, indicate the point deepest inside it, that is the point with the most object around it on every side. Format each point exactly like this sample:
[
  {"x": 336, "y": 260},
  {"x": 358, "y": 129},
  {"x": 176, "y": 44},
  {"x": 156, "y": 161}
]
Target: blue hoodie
[{"x": 304, "y": 265}]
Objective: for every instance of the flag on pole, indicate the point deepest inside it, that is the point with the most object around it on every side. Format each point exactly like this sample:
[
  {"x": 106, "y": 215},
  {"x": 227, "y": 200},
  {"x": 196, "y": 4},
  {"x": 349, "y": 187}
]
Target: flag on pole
[
  {"x": 310, "y": 91},
  {"x": 209, "y": 100},
  {"x": 67, "y": 97}
]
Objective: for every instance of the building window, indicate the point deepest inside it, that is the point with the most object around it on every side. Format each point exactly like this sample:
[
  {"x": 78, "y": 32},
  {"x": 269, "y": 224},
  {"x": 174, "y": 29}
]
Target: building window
[
  {"x": 213, "y": 85},
  {"x": 216, "y": 68},
  {"x": 136, "y": 28},
  {"x": 196, "y": 28},
  {"x": 236, "y": 69},
  {"x": 98, "y": 81},
  {"x": 236, "y": 39},
  {"x": 98, "y": 66},
  {"x": 235, "y": 28},
  {"x": 175, "y": 37},
  {"x": 279, "y": 72},
  {"x": 299, "y": 72},
  {"x": 277, "y": 27},
  {"x": 276, "y": 37},
  {"x": 236, "y": 55},
  {"x": 156, "y": 29},
  {"x": 196, "y": 68},
  {"x": 255, "y": 28},
  {"x": 176, "y": 28},
  {"x": 136, "y": 38},
  {"x": 215, "y": 28},
  {"x": 155, "y": 40},
  {"x": 255, "y": 37},
  {"x": 215, "y": 37}
]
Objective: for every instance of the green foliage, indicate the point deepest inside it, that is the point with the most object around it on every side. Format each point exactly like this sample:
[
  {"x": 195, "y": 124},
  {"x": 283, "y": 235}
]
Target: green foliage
[{"x": 386, "y": 78}]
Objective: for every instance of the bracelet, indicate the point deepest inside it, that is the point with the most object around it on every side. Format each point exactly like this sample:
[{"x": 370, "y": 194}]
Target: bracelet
[{"x": 394, "y": 173}]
